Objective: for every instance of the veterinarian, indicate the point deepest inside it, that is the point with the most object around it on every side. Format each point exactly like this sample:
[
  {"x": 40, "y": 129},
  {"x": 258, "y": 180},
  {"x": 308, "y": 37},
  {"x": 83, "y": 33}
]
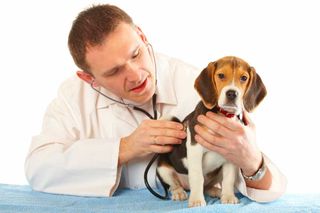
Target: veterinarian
[{"x": 99, "y": 133}]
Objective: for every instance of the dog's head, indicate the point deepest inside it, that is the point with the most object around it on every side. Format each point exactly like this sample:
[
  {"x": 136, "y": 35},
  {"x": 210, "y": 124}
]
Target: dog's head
[{"x": 230, "y": 83}]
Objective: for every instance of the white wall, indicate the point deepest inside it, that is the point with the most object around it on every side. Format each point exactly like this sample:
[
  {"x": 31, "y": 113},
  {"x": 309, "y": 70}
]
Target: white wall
[{"x": 279, "y": 38}]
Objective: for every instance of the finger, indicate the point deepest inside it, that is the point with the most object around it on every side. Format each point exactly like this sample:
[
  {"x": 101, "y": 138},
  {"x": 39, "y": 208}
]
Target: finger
[
  {"x": 210, "y": 138},
  {"x": 214, "y": 126},
  {"x": 161, "y": 149},
  {"x": 224, "y": 121},
  {"x": 246, "y": 119},
  {"x": 163, "y": 140},
  {"x": 165, "y": 132},
  {"x": 166, "y": 124}
]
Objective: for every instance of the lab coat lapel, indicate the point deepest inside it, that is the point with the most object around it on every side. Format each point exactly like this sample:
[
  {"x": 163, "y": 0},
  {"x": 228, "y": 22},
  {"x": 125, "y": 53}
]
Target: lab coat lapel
[
  {"x": 124, "y": 114},
  {"x": 120, "y": 112}
]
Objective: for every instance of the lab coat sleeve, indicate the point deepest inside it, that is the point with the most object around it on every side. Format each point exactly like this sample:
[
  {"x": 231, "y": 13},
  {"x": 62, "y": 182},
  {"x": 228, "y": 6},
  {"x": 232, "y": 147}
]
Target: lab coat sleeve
[
  {"x": 61, "y": 160},
  {"x": 276, "y": 190}
]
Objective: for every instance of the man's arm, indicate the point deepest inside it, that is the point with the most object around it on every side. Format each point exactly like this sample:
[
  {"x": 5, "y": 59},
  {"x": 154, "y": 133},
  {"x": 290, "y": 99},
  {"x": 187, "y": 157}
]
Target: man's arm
[
  {"x": 270, "y": 187},
  {"x": 62, "y": 160}
]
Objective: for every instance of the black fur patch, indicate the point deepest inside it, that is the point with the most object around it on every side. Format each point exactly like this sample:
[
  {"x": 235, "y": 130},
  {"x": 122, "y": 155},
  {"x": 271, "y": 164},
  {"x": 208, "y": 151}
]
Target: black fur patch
[{"x": 179, "y": 152}]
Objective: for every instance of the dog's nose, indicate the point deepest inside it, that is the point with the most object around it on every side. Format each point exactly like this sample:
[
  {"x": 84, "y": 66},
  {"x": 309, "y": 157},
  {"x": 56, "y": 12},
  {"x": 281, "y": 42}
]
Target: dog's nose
[{"x": 231, "y": 94}]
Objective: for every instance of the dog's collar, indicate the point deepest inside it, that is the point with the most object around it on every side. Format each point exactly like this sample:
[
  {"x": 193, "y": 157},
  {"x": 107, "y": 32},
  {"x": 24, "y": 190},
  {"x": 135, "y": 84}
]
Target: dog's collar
[{"x": 226, "y": 113}]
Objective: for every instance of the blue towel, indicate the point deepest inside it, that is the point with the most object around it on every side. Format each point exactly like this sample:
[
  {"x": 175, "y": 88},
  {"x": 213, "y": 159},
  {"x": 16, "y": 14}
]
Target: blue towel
[{"x": 14, "y": 198}]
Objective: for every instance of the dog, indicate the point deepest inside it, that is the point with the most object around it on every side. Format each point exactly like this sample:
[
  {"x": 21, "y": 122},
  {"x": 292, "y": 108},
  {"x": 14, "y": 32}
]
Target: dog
[{"x": 226, "y": 86}]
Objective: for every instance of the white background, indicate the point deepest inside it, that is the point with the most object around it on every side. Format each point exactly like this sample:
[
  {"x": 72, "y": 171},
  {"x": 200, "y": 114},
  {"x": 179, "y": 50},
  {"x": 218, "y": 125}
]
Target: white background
[{"x": 279, "y": 38}]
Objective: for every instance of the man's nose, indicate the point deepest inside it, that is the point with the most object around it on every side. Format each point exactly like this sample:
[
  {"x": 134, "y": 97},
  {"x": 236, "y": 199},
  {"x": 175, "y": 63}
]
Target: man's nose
[{"x": 133, "y": 72}]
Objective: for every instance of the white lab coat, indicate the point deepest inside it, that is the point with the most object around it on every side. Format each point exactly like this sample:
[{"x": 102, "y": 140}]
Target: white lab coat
[{"x": 77, "y": 150}]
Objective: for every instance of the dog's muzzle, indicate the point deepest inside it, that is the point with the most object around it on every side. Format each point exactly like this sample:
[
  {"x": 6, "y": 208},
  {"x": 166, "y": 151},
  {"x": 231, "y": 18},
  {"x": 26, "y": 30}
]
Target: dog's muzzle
[
  {"x": 230, "y": 100},
  {"x": 231, "y": 95}
]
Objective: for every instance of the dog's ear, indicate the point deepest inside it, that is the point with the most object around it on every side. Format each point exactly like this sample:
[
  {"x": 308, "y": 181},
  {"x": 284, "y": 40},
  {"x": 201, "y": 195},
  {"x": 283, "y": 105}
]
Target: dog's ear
[
  {"x": 256, "y": 91},
  {"x": 205, "y": 86}
]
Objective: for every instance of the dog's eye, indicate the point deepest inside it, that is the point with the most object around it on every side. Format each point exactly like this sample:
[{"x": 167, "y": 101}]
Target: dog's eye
[
  {"x": 221, "y": 75},
  {"x": 243, "y": 78}
]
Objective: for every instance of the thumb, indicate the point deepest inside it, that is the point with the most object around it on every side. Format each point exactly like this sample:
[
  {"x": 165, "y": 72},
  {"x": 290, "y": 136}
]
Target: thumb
[{"x": 246, "y": 119}]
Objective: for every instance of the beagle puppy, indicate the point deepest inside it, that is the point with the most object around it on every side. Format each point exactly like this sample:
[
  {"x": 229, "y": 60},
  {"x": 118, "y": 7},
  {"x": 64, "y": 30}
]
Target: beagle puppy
[{"x": 226, "y": 86}]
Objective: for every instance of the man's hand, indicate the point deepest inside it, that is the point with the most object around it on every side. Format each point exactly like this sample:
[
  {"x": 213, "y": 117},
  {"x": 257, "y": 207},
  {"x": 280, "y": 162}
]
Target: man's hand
[
  {"x": 152, "y": 136},
  {"x": 234, "y": 141}
]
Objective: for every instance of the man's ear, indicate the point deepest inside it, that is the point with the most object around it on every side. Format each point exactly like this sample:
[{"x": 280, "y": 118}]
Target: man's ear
[{"x": 87, "y": 78}]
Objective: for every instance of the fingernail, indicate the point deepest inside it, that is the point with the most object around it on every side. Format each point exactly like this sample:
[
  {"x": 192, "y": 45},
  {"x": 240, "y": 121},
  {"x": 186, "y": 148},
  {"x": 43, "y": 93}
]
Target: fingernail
[
  {"x": 200, "y": 118},
  {"x": 183, "y": 134}
]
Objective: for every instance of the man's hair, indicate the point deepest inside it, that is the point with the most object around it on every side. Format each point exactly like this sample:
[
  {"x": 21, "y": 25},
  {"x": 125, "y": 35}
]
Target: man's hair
[{"x": 90, "y": 29}]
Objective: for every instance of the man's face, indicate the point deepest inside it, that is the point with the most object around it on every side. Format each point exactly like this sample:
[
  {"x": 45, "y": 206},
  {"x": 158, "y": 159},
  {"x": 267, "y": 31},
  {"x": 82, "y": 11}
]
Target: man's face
[{"x": 123, "y": 65}]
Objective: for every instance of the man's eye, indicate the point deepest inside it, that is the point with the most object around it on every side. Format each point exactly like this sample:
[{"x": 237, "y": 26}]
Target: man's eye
[
  {"x": 112, "y": 72},
  {"x": 243, "y": 78},
  {"x": 136, "y": 54},
  {"x": 221, "y": 76}
]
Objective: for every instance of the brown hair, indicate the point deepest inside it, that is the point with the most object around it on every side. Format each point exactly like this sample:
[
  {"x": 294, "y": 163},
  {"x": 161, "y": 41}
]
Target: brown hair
[{"x": 90, "y": 29}]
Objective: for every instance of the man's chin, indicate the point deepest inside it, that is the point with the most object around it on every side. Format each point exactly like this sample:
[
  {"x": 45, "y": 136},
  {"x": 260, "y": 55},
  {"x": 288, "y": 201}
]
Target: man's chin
[{"x": 141, "y": 99}]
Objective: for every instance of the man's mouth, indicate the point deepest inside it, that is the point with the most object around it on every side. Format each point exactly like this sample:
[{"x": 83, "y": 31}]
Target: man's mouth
[{"x": 140, "y": 87}]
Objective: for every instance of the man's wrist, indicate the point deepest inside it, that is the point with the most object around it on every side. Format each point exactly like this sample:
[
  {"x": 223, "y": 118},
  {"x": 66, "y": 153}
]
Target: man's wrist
[
  {"x": 124, "y": 152},
  {"x": 254, "y": 165},
  {"x": 258, "y": 174}
]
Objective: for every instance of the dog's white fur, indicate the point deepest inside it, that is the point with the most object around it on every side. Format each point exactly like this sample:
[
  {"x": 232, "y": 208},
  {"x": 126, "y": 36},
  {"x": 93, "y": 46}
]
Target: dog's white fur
[{"x": 202, "y": 161}]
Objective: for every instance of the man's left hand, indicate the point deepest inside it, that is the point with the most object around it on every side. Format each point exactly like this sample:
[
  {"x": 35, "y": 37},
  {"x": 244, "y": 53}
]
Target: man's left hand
[{"x": 231, "y": 139}]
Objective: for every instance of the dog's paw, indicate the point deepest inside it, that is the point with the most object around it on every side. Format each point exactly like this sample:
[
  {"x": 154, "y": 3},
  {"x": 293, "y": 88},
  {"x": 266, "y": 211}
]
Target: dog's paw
[
  {"x": 229, "y": 199},
  {"x": 196, "y": 202},
  {"x": 179, "y": 194},
  {"x": 214, "y": 192}
]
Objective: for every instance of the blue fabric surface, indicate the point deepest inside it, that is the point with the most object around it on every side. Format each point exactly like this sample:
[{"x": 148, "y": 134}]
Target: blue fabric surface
[{"x": 15, "y": 198}]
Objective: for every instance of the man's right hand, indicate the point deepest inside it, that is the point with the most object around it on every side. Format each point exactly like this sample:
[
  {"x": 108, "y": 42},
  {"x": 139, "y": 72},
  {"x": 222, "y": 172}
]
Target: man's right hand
[{"x": 151, "y": 136}]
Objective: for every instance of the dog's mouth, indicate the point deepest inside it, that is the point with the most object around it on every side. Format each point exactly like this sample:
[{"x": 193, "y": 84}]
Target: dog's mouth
[{"x": 231, "y": 108}]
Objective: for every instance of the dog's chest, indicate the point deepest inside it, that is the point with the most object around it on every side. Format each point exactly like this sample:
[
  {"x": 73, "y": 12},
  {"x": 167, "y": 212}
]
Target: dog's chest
[{"x": 211, "y": 161}]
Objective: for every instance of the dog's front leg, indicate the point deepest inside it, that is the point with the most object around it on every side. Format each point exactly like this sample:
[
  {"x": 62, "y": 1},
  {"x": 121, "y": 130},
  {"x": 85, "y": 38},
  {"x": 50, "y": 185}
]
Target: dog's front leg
[
  {"x": 195, "y": 174},
  {"x": 229, "y": 173}
]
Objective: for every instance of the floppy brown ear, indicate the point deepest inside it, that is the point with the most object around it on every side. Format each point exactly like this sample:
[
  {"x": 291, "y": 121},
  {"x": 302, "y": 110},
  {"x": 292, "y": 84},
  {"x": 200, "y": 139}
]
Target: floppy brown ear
[
  {"x": 205, "y": 86},
  {"x": 256, "y": 91}
]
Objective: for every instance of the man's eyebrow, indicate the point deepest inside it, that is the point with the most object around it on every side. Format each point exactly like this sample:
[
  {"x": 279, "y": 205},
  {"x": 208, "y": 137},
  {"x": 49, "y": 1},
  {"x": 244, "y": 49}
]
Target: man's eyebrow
[{"x": 106, "y": 72}]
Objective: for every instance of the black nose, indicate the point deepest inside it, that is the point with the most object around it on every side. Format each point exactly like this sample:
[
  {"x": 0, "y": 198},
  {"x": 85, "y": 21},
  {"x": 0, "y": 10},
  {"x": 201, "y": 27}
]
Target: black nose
[{"x": 231, "y": 94}]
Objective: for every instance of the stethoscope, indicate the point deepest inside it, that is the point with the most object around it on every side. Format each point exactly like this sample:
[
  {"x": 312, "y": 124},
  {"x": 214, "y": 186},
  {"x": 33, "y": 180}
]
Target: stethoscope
[{"x": 154, "y": 117}]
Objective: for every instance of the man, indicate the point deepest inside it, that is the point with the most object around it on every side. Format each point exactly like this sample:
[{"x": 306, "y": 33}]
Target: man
[{"x": 97, "y": 134}]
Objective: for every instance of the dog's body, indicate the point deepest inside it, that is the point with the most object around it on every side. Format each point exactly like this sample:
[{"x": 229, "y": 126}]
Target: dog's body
[{"x": 227, "y": 86}]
